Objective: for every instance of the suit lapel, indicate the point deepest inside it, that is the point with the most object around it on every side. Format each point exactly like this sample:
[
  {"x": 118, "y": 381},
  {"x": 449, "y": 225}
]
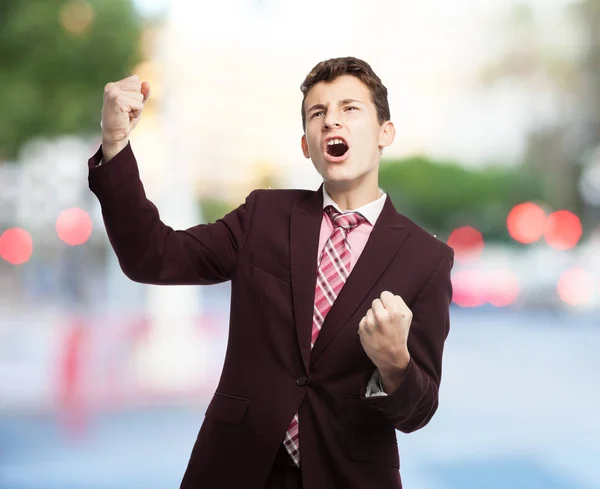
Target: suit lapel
[
  {"x": 305, "y": 228},
  {"x": 386, "y": 239}
]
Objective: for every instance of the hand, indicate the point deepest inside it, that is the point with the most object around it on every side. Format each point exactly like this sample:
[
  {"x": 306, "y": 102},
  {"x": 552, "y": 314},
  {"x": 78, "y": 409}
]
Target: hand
[
  {"x": 122, "y": 109},
  {"x": 384, "y": 333}
]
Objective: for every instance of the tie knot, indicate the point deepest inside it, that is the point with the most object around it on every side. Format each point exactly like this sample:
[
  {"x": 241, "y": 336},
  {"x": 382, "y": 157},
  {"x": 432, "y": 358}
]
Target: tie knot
[{"x": 347, "y": 220}]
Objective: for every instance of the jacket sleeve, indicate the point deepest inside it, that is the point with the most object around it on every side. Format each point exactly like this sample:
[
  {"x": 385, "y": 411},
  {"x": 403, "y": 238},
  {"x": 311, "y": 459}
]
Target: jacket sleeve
[
  {"x": 414, "y": 402},
  {"x": 148, "y": 250}
]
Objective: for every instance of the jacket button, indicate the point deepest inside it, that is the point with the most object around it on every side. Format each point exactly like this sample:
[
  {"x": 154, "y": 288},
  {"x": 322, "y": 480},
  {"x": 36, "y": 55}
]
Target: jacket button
[{"x": 301, "y": 381}]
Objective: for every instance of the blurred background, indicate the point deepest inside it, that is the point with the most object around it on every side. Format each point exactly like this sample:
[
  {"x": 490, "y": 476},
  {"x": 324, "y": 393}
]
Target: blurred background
[{"x": 104, "y": 382}]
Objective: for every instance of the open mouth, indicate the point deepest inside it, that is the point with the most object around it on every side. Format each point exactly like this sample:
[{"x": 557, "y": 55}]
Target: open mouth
[{"x": 336, "y": 147}]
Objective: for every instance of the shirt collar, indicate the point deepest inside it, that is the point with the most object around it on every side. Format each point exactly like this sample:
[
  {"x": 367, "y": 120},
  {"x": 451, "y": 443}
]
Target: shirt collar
[{"x": 370, "y": 211}]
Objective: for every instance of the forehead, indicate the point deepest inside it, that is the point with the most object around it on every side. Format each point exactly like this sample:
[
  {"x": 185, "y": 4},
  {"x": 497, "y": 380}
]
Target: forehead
[{"x": 343, "y": 87}]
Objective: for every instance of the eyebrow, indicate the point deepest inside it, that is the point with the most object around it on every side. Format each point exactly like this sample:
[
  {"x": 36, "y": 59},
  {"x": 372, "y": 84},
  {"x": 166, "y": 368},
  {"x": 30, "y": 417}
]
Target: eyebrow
[{"x": 346, "y": 101}]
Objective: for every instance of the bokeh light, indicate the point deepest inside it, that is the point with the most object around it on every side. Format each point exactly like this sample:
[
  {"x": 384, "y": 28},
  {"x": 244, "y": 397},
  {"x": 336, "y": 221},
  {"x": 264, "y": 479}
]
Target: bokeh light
[
  {"x": 467, "y": 243},
  {"x": 563, "y": 230},
  {"x": 74, "y": 226},
  {"x": 526, "y": 223},
  {"x": 474, "y": 288},
  {"x": 77, "y": 16},
  {"x": 502, "y": 287},
  {"x": 576, "y": 286},
  {"x": 16, "y": 246},
  {"x": 468, "y": 290}
]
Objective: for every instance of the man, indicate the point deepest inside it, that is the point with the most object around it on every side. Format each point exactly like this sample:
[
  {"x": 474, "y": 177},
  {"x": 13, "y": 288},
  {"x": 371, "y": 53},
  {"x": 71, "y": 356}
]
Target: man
[{"x": 328, "y": 353}]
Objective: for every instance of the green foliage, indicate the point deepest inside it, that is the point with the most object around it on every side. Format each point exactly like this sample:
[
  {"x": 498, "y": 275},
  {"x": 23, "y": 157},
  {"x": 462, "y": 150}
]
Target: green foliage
[
  {"x": 441, "y": 196},
  {"x": 214, "y": 209},
  {"x": 51, "y": 79}
]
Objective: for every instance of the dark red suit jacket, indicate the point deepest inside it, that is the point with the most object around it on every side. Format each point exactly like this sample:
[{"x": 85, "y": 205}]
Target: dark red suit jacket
[{"x": 267, "y": 247}]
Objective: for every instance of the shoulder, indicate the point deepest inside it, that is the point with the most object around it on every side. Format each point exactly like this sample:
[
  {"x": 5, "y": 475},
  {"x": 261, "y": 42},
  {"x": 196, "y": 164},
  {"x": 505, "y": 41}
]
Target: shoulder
[
  {"x": 291, "y": 195},
  {"x": 279, "y": 200},
  {"x": 428, "y": 243}
]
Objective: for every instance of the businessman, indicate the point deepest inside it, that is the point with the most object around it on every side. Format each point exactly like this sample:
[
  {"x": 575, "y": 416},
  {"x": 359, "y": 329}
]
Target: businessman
[{"x": 339, "y": 303}]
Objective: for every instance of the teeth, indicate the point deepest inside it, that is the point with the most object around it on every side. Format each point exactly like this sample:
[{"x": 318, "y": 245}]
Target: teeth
[{"x": 334, "y": 141}]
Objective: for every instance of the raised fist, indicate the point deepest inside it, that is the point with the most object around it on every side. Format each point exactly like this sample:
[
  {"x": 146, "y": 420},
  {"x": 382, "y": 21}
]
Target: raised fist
[{"x": 122, "y": 109}]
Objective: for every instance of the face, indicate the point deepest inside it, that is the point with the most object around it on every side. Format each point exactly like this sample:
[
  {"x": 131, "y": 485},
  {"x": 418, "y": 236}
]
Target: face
[{"x": 342, "y": 135}]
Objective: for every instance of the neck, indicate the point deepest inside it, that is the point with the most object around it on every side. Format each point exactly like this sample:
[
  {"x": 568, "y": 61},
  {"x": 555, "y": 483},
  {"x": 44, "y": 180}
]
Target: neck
[{"x": 352, "y": 198}]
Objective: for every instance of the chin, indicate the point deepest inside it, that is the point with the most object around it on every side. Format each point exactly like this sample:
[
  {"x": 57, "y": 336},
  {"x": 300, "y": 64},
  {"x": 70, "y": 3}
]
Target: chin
[{"x": 340, "y": 172}]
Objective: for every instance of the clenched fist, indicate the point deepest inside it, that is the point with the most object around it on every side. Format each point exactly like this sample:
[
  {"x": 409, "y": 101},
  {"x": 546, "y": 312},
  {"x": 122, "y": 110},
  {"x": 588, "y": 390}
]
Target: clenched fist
[
  {"x": 123, "y": 104},
  {"x": 384, "y": 337}
]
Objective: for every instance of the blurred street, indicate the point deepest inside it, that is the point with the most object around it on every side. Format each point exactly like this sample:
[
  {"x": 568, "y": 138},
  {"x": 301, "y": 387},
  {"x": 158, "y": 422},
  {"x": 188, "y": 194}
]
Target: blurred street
[{"x": 518, "y": 410}]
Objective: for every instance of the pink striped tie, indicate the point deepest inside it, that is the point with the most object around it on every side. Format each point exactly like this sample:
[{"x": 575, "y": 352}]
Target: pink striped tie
[{"x": 332, "y": 272}]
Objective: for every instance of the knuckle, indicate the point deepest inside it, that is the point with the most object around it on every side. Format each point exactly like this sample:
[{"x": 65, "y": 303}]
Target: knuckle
[
  {"x": 108, "y": 87},
  {"x": 383, "y": 315},
  {"x": 114, "y": 93}
]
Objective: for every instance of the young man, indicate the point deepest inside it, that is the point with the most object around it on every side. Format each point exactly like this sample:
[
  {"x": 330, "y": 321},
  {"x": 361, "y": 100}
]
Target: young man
[{"x": 339, "y": 304}]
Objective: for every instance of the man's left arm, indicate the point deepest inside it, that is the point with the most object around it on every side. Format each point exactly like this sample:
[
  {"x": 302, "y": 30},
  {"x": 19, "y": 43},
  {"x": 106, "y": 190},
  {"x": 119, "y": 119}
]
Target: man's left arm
[{"x": 409, "y": 366}]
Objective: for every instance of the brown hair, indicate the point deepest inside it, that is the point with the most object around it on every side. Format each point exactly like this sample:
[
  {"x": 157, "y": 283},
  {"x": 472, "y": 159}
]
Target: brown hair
[{"x": 331, "y": 69}]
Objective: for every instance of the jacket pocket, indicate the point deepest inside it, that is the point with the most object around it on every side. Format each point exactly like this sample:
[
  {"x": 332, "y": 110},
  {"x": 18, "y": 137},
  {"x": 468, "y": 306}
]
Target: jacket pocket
[
  {"x": 228, "y": 408},
  {"x": 372, "y": 448},
  {"x": 371, "y": 437}
]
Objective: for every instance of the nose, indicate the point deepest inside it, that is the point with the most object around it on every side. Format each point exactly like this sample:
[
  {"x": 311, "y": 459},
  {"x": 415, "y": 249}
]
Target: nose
[
  {"x": 332, "y": 120},
  {"x": 332, "y": 125}
]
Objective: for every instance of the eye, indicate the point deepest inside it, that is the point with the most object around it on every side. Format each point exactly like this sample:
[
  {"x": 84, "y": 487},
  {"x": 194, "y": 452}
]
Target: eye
[
  {"x": 315, "y": 114},
  {"x": 351, "y": 108}
]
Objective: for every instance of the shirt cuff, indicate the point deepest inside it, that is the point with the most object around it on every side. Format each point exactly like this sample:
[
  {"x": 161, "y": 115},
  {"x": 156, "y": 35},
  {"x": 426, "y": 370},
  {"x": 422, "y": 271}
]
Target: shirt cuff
[{"x": 374, "y": 387}]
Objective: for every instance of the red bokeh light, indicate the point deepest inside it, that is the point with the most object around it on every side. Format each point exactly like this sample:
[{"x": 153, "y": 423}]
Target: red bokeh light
[
  {"x": 563, "y": 230},
  {"x": 467, "y": 288},
  {"x": 502, "y": 287},
  {"x": 576, "y": 286},
  {"x": 474, "y": 288},
  {"x": 467, "y": 243},
  {"x": 74, "y": 226},
  {"x": 16, "y": 246},
  {"x": 526, "y": 223}
]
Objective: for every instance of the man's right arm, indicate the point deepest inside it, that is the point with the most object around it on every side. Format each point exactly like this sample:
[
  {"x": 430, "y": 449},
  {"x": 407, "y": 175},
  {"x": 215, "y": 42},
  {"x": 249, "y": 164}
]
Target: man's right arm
[{"x": 148, "y": 250}]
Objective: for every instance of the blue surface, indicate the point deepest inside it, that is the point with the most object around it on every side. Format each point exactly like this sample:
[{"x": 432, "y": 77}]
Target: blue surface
[
  {"x": 146, "y": 449},
  {"x": 510, "y": 473}
]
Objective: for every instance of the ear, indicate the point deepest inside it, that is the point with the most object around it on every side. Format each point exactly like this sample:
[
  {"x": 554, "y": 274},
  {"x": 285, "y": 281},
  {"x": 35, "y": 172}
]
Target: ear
[
  {"x": 387, "y": 134},
  {"x": 304, "y": 144}
]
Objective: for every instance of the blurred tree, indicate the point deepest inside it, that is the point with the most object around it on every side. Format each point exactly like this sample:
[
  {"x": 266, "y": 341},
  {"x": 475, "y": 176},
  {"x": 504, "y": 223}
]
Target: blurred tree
[
  {"x": 213, "y": 209},
  {"x": 564, "y": 67},
  {"x": 441, "y": 196},
  {"x": 588, "y": 101},
  {"x": 588, "y": 14},
  {"x": 55, "y": 58}
]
